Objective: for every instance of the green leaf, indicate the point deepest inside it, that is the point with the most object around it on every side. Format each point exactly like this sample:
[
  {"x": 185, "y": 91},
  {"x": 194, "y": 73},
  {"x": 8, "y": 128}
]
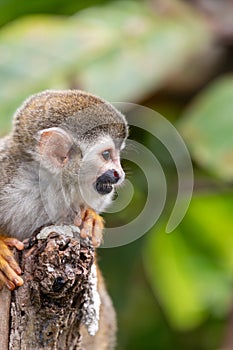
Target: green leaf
[
  {"x": 207, "y": 128},
  {"x": 121, "y": 51},
  {"x": 146, "y": 50},
  {"x": 191, "y": 270},
  {"x": 11, "y": 9}
]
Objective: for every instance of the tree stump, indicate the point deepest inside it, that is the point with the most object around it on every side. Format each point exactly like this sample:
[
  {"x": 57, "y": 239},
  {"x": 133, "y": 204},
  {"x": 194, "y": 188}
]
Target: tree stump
[{"x": 59, "y": 296}]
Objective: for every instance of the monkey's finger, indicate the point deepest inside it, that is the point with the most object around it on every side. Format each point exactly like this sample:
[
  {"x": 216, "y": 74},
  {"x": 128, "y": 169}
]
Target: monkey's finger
[
  {"x": 10, "y": 274},
  {"x": 88, "y": 216},
  {"x": 13, "y": 242},
  {"x": 84, "y": 214},
  {"x": 5, "y": 282},
  {"x": 97, "y": 236},
  {"x": 97, "y": 233},
  {"x": 13, "y": 264},
  {"x": 86, "y": 230},
  {"x": 7, "y": 258}
]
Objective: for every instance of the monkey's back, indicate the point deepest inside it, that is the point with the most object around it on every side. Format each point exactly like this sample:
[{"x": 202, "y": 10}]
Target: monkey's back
[{"x": 7, "y": 162}]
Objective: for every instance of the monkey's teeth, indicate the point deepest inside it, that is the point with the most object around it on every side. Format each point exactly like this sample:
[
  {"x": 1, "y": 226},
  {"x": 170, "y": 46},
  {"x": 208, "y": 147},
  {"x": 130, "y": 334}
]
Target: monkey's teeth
[{"x": 103, "y": 188}]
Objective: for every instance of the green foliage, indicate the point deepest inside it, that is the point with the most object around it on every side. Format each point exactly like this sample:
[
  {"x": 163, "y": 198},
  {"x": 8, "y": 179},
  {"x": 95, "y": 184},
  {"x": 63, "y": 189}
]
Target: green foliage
[
  {"x": 11, "y": 9},
  {"x": 207, "y": 128},
  {"x": 191, "y": 270},
  {"x": 171, "y": 291},
  {"x": 87, "y": 51}
]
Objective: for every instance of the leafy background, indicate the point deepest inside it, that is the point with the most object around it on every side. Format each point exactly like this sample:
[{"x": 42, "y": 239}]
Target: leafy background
[{"x": 170, "y": 291}]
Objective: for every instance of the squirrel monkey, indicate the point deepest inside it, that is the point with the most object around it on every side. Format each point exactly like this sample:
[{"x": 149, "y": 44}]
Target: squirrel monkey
[{"x": 59, "y": 165}]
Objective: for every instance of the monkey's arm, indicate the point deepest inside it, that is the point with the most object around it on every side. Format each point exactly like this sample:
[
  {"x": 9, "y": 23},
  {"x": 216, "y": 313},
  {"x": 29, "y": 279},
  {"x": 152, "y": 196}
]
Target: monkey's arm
[{"x": 9, "y": 269}]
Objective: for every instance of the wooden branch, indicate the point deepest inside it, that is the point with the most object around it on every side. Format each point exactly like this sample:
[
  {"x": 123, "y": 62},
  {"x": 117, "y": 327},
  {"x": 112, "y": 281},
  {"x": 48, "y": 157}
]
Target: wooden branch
[
  {"x": 5, "y": 301},
  {"x": 58, "y": 297},
  {"x": 228, "y": 338}
]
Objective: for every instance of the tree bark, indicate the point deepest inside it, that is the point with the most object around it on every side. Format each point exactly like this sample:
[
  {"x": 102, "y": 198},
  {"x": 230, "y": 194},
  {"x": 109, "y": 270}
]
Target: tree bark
[
  {"x": 5, "y": 300},
  {"x": 59, "y": 304}
]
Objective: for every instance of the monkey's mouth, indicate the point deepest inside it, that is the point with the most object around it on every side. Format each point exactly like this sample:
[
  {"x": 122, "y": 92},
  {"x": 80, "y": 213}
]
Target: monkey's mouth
[
  {"x": 103, "y": 188},
  {"x": 104, "y": 183}
]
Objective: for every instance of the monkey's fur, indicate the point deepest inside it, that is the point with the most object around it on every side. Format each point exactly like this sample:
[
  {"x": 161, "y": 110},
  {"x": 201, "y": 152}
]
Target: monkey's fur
[
  {"x": 85, "y": 116},
  {"x": 30, "y": 194}
]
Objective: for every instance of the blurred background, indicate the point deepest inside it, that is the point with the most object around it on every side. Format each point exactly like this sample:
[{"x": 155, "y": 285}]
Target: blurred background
[{"x": 170, "y": 291}]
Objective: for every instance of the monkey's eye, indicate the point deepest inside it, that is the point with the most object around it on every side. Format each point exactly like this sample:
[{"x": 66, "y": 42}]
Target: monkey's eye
[{"x": 106, "y": 155}]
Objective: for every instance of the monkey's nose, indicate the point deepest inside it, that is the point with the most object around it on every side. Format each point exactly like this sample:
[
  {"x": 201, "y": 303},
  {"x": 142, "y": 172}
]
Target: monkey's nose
[
  {"x": 114, "y": 175},
  {"x": 110, "y": 176}
]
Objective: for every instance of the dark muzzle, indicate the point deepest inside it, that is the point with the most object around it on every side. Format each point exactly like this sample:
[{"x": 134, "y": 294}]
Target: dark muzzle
[{"x": 104, "y": 183}]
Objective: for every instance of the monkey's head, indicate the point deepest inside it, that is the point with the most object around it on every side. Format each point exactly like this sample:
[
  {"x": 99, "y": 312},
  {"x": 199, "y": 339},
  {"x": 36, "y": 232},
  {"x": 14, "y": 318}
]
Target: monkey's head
[{"x": 76, "y": 137}]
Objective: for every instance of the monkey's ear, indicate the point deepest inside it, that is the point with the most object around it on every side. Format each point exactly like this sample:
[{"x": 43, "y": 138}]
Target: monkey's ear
[{"x": 54, "y": 145}]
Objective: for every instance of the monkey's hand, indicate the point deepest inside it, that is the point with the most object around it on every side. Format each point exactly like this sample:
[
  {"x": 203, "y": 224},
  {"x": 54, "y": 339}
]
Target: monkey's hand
[
  {"x": 91, "y": 225},
  {"x": 9, "y": 269}
]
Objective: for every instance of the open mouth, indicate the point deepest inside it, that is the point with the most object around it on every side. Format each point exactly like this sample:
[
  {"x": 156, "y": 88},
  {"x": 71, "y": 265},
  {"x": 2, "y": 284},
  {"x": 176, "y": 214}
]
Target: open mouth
[
  {"x": 104, "y": 183},
  {"x": 103, "y": 187}
]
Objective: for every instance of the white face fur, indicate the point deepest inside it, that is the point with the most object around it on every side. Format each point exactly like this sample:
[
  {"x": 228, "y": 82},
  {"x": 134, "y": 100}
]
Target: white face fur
[
  {"x": 87, "y": 172},
  {"x": 100, "y": 163}
]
